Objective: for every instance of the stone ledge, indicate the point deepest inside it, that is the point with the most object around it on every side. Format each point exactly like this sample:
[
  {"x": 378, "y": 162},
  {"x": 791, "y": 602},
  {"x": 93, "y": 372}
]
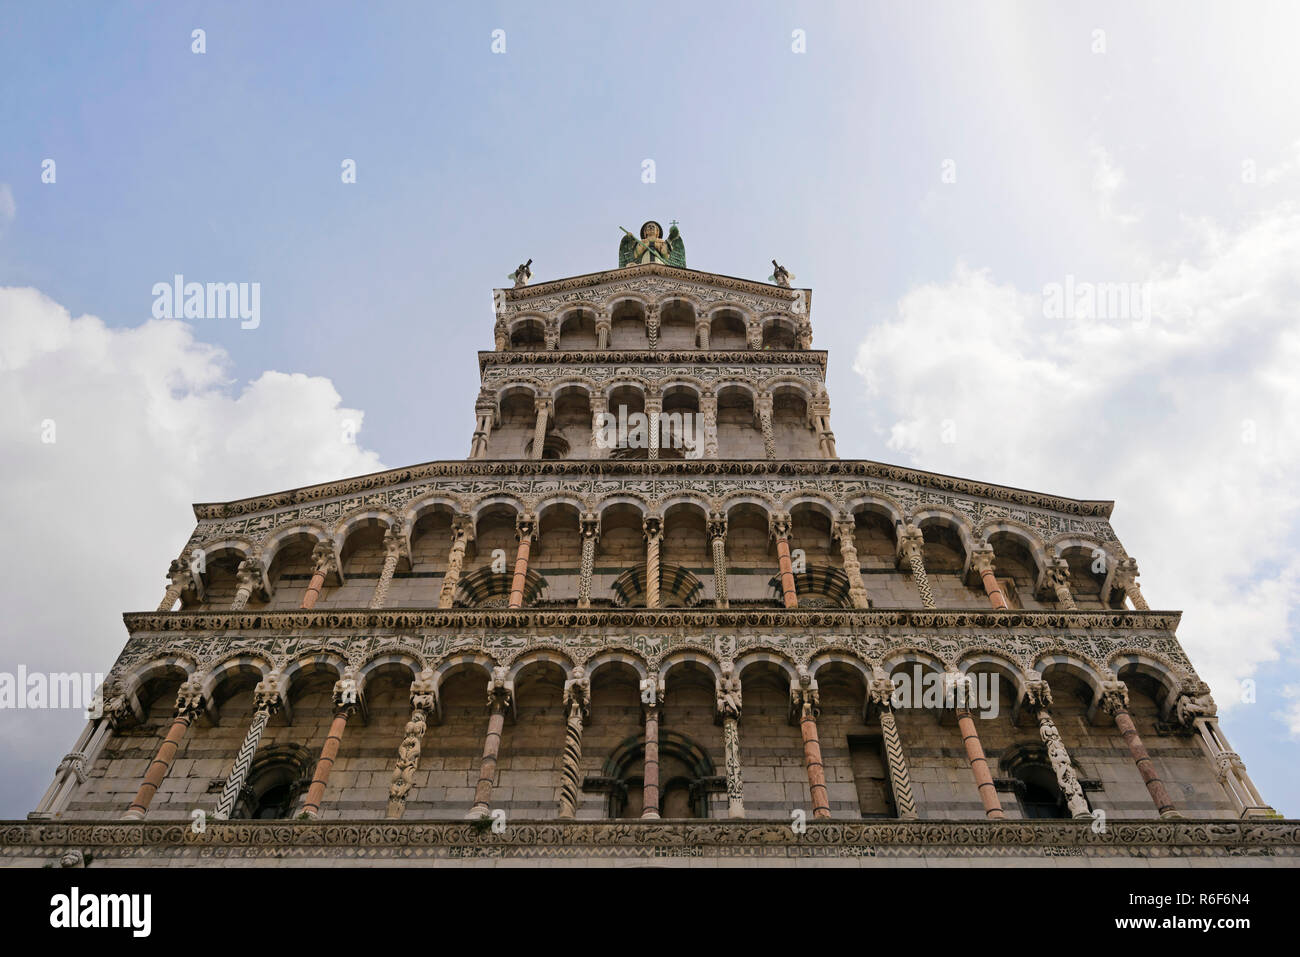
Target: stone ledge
[
  {"x": 381, "y": 841},
  {"x": 783, "y": 618}
]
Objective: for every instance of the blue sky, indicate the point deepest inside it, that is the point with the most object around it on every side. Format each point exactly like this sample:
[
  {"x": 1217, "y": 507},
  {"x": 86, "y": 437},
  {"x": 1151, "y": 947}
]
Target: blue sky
[{"x": 1124, "y": 163}]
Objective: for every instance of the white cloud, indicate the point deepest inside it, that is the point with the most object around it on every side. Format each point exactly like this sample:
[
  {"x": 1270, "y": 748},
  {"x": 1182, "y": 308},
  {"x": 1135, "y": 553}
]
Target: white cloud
[
  {"x": 1190, "y": 421},
  {"x": 145, "y": 422}
]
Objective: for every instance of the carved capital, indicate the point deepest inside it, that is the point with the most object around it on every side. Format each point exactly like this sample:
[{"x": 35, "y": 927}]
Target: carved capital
[
  {"x": 424, "y": 692},
  {"x": 779, "y": 525},
  {"x": 189, "y": 699},
  {"x": 981, "y": 559},
  {"x": 1038, "y": 696},
  {"x": 1114, "y": 697},
  {"x": 322, "y": 558}
]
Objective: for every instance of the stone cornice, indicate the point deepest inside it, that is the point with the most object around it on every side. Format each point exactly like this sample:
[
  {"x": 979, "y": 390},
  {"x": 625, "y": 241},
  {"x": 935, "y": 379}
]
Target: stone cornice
[
  {"x": 604, "y": 357},
  {"x": 811, "y": 469},
  {"x": 381, "y": 840},
  {"x": 590, "y": 280},
  {"x": 787, "y": 619}
]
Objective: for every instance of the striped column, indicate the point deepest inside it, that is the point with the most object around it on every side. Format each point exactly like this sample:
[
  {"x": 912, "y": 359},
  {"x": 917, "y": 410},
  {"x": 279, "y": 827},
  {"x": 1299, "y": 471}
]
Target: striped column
[
  {"x": 525, "y": 528},
  {"x": 911, "y": 545},
  {"x": 346, "y": 702},
  {"x": 780, "y": 527},
  {"x": 881, "y": 702},
  {"x": 1114, "y": 701},
  {"x": 189, "y": 703},
  {"x": 577, "y": 707},
  {"x": 499, "y": 699},
  {"x": 268, "y": 698}
]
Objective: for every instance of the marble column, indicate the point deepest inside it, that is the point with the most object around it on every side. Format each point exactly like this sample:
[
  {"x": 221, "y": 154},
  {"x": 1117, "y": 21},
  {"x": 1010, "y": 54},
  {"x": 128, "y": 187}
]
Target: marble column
[
  {"x": 702, "y": 333},
  {"x": 346, "y": 703},
  {"x": 525, "y": 529},
  {"x": 1114, "y": 701},
  {"x": 981, "y": 560},
  {"x": 805, "y": 706},
  {"x": 763, "y": 409},
  {"x": 248, "y": 581},
  {"x": 717, "y": 530},
  {"x": 424, "y": 702},
  {"x": 653, "y": 529},
  {"x": 654, "y": 404},
  {"x": 1038, "y": 701},
  {"x": 709, "y": 409},
  {"x": 462, "y": 532},
  {"x": 1058, "y": 576},
  {"x": 880, "y": 703},
  {"x": 323, "y": 563},
  {"x": 189, "y": 704},
  {"x": 729, "y": 706},
  {"x": 590, "y": 529},
  {"x": 394, "y": 539},
  {"x": 543, "y": 406},
  {"x": 577, "y": 708},
  {"x": 958, "y": 694},
  {"x": 651, "y": 703},
  {"x": 1126, "y": 575},
  {"x": 484, "y": 417},
  {"x": 500, "y": 699},
  {"x": 268, "y": 698},
  {"x": 846, "y": 531},
  {"x": 180, "y": 580},
  {"x": 911, "y": 545},
  {"x": 599, "y": 446},
  {"x": 780, "y": 527}
]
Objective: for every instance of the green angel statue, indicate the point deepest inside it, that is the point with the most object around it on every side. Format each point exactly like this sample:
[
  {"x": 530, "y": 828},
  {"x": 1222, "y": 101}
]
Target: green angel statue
[{"x": 651, "y": 248}]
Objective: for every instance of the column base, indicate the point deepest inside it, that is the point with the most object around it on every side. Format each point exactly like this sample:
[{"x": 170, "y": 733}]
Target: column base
[
  {"x": 395, "y": 810},
  {"x": 1170, "y": 815},
  {"x": 478, "y": 812},
  {"x": 650, "y": 815},
  {"x": 133, "y": 815},
  {"x": 1083, "y": 815}
]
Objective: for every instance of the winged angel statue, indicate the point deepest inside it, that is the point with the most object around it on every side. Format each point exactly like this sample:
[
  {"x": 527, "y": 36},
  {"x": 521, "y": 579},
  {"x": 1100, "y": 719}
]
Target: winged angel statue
[{"x": 651, "y": 248}]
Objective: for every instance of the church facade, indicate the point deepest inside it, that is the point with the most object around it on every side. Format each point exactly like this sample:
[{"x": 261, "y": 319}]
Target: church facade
[{"x": 652, "y": 617}]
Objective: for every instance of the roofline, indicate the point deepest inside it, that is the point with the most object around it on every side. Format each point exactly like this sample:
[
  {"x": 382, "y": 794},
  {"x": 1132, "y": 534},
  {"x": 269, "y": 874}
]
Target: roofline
[{"x": 370, "y": 481}]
